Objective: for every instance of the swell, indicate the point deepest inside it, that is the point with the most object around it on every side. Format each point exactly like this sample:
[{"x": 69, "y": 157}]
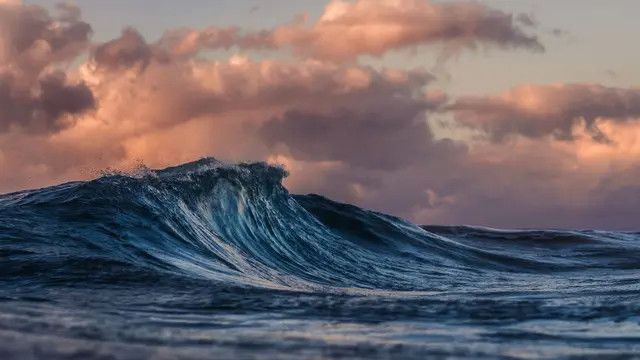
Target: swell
[{"x": 237, "y": 224}]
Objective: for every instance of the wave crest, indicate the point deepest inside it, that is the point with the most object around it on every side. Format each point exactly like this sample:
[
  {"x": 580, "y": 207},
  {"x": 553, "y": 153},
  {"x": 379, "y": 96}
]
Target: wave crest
[{"x": 237, "y": 224}]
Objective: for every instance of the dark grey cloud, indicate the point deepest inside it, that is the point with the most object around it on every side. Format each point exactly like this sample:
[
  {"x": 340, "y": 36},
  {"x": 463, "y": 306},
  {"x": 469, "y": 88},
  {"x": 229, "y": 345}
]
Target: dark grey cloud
[
  {"x": 58, "y": 97},
  {"x": 527, "y": 20},
  {"x": 42, "y": 111},
  {"x": 35, "y": 96},
  {"x": 370, "y": 139},
  {"x": 130, "y": 49}
]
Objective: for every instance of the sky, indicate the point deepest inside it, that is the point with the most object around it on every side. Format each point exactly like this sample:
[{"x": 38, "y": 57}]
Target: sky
[{"x": 514, "y": 114}]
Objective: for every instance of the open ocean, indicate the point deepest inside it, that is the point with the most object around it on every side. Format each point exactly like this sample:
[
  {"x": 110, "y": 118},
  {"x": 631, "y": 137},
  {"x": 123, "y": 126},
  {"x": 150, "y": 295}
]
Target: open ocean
[{"x": 209, "y": 260}]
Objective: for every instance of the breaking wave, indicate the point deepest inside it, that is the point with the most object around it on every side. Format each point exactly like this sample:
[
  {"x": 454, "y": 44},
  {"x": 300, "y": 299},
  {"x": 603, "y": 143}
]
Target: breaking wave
[{"x": 219, "y": 254}]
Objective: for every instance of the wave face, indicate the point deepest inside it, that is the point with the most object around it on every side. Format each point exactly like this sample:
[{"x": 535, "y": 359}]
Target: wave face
[{"x": 209, "y": 259}]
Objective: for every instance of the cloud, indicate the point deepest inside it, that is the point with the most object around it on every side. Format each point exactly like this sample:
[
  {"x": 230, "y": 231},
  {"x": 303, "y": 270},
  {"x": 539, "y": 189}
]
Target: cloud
[
  {"x": 386, "y": 137},
  {"x": 31, "y": 39},
  {"x": 532, "y": 182},
  {"x": 215, "y": 87},
  {"x": 548, "y": 110},
  {"x": 144, "y": 103},
  {"x": 125, "y": 51},
  {"x": 34, "y": 95},
  {"x": 544, "y": 183},
  {"x": 186, "y": 42},
  {"x": 527, "y": 20},
  {"x": 43, "y": 111},
  {"x": 348, "y": 29}
]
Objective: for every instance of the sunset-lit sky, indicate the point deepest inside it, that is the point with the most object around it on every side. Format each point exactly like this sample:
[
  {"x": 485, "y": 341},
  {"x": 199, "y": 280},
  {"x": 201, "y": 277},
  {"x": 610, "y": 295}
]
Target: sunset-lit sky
[
  {"x": 594, "y": 30},
  {"x": 498, "y": 113}
]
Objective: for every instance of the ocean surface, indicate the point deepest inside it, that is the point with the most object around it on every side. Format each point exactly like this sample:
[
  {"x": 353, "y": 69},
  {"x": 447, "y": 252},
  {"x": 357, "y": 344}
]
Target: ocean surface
[{"x": 214, "y": 261}]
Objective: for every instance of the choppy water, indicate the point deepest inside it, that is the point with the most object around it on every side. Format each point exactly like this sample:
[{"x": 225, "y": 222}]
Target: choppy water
[{"x": 208, "y": 260}]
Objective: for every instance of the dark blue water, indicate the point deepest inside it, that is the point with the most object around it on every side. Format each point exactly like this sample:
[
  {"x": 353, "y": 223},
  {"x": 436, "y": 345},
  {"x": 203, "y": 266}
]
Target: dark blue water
[{"x": 208, "y": 260}]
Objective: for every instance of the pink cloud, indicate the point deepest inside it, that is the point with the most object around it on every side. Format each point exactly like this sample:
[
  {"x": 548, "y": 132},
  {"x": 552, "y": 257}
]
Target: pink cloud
[
  {"x": 34, "y": 95},
  {"x": 349, "y": 29},
  {"x": 543, "y": 110}
]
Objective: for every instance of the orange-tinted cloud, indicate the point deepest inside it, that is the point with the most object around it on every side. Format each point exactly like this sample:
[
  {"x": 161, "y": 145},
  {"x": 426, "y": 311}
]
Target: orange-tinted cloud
[
  {"x": 185, "y": 42},
  {"x": 543, "y": 110},
  {"x": 147, "y": 99},
  {"x": 34, "y": 95},
  {"x": 349, "y": 29}
]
